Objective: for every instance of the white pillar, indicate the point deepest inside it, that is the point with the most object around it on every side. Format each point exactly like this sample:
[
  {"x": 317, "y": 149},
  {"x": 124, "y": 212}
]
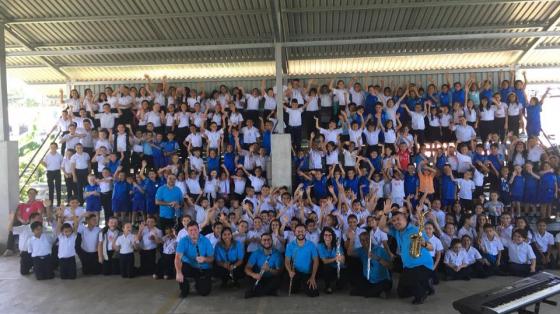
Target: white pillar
[{"x": 9, "y": 189}]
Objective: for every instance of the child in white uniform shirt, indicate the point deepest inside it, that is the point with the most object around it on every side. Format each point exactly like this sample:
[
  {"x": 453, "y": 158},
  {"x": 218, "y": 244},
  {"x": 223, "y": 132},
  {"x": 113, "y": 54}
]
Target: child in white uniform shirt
[
  {"x": 436, "y": 252},
  {"x": 89, "y": 245},
  {"x": 491, "y": 247},
  {"x": 166, "y": 268},
  {"x": 66, "y": 234},
  {"x": 125, "y": 245},
  {"x": 25, "y": 233},
  {"x": 455, "y": 261},
  {"x": 149, "y": 236},
  {"x": 522, "y": 259},
  {"x": 543, "y": 244},
  {"x": 478, "y": 266}
]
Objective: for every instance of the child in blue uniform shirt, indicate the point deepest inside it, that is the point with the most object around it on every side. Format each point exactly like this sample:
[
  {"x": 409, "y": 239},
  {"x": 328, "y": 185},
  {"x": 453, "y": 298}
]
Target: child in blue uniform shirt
[
  {"x": 547, "y": 189},
  {"x": 530, "y": 193},
  {"x": 169, "y": 148},
  {"x": 121, "y": 196},
  {"x": 516, "y": 187},
  {"x": 379, "y": 280},
  {"x": 150, "y": 186},
  {"x": 92, "y": 195}
]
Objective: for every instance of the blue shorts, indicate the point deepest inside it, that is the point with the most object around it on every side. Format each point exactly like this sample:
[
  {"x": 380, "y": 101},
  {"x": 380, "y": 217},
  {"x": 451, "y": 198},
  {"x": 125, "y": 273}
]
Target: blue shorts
[
  {"x": 138, "y": 205},
  {"x": 120, "y": 205},
  {"x": 517, "y": 198},
  {"x": 447, "y": 202}
]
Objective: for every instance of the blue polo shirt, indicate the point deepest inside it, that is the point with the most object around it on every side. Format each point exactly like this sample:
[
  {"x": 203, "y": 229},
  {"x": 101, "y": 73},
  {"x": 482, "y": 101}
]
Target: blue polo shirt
[
  {"x": 233, "y": 254},
  {"x": 445, "y": 98},
  {"x": 411, "y": 182},
  {"x": 320, "y": 189},
  {"x": 326, "y": 253},
  {"x": 165, "y": 194},
  {"x": 403, "y": 242},
  {"x": 189, "y": 251},
  {"x": 377, "y": 272},
  {"x": 459, "y": 96},
  {"x": 259, "y": 257},
  {"x": 302, "y": 256}
]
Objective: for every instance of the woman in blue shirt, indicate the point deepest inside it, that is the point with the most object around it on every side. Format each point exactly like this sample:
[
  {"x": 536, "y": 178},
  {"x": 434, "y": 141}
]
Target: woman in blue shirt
[
  {"x": 332, "y": 258},
  {"x": 228, "y": 256}
]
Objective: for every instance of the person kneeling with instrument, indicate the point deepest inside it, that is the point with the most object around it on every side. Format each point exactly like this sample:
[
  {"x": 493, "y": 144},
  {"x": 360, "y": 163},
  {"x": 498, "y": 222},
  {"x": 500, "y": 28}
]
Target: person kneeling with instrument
[
  {"x": 194, "y": 259},
  {"x": 376, "y": 263},
  {"x": 264, "y": 268},
  {"x": 414, "y": 249},
  {"x": 302, "y": 263}
]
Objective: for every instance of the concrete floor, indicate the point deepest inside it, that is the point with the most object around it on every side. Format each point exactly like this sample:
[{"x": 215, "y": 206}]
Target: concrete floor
[{"x": 19, "y": 294}]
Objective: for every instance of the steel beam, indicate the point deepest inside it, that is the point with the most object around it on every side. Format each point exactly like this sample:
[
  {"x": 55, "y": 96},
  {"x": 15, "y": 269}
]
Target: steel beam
[
  {"x": 279, "y": 88},
  {"x": 127, "y": 17},
  {"x": 4, "y": 122},
  {"x": 402, "y": 5},
  {"x": 536, "y": 43}
]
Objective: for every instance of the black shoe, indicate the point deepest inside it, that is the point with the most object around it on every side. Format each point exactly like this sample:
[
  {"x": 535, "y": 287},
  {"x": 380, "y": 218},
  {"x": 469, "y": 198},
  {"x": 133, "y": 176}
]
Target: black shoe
[
  {"x": 328, "y": 290},
  {"x": 420, "y": 300},
  {"x": 183, "y": 294}
]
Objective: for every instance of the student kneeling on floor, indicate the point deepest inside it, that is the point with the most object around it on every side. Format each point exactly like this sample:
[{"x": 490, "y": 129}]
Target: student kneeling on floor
[
  {"x": 194, "y": 259},
  {"x": 25, "y": 233}
]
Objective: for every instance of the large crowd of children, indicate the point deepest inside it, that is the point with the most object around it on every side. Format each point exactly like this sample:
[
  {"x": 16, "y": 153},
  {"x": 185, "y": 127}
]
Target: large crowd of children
[{"x": 178, "y": 179}]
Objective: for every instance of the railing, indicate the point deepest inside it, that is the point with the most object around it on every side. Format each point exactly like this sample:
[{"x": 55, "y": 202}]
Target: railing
[{"x": 34, "y": 157}]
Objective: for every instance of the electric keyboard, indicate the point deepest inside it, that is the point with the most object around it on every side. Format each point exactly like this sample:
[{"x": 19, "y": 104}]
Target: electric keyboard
[{"x": 513, "y": 298}]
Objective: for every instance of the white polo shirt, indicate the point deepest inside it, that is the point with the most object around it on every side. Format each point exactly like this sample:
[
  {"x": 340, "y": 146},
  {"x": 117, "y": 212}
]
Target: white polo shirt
[
  {"x": 330, "y": 135},
  {"x": 195, "y": 139},
  {"x": 146, "y": 242},
  {"x": 250, "y": 135},
  {"x": 464, "y": 133},
  {"x": 125, "y": 243},
  {"x": 521, "y": 253},
  {"x": 80, "y": 160},
  {"x": 107, "y": 119},
  {"x": 543, "y": 241},
  {"x": 436, "y": 243},
  {"x": 41, "y": 246},
  {"x": 456, "y": 259},
  {"x": 53, "y": 161},
  {"x": 89, "y": 237},
  {"x": 294, "y": 116},
  {"x": 66, "y": 245},
  {"x": 417, "y": 120},
  {"x": 473, "y": 255}
]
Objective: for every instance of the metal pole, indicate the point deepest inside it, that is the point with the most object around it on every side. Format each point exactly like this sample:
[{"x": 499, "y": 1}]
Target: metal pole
[
  {"x": 4, "y": 123},
  {"x": 279, "y": 88}
]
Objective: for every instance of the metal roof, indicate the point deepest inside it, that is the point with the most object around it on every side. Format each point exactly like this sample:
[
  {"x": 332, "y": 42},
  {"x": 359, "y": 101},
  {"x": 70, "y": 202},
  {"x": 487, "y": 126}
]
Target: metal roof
[{"x": 54, "y": 41}]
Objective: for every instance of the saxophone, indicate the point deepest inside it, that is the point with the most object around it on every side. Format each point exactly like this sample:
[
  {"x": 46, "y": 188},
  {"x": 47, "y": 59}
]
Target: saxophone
[{"x": 416, "y": 239}]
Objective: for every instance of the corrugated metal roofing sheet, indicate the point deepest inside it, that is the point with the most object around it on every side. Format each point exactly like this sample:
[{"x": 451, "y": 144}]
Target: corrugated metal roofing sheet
[
  {"x": 542, "y": 57},
  {"x": 36, "y": 75}
]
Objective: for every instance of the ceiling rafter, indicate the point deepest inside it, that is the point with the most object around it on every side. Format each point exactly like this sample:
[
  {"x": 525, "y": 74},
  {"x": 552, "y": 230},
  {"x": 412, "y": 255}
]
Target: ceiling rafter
[{"x": 539, "y": 40}]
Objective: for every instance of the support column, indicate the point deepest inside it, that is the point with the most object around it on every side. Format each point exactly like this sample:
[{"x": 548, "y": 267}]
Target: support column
[
  {"x": 9, "y": 190},
  {"x": 281, "y": 143}
]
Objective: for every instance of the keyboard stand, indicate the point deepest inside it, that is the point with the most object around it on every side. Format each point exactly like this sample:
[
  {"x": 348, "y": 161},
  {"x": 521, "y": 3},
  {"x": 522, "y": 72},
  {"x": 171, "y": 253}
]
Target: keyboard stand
[{"x": 538, "y": 307}]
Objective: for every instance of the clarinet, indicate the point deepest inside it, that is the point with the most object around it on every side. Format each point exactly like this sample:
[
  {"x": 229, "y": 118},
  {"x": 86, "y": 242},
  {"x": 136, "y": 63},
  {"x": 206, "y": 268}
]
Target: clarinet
[
  {"x": 231, "y": 270},
  {"x": 197, "y": 262},
  {"x": 369, "y": 253},
  {"x": 261, "y": 273},
  {"x": 338, "y": 253}
]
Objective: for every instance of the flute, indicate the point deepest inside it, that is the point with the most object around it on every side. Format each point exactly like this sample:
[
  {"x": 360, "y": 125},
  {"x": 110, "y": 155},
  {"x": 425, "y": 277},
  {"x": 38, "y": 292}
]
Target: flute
[
  {"x": 261, "y": 273},
  {"x": 369, "y": 254},
  {"x": 291, "y": 278},
  {"x": 338, "y": 253}
]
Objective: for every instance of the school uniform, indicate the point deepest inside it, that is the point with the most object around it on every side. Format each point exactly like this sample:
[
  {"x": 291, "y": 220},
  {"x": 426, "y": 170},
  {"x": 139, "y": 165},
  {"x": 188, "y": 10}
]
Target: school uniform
[
  {"x": 111, "y": 264},
  {"x": 302, "y": 258},
  {"x": 148, "y": 250},
  {"x": 81, "y": 162},
  {"x": 54, "y": 164},
  {"x": 231, "y": 255},
  {"x": 201, "y": 272},
  {"x": 379, "y": 279},
  {"x": 165, "y": 266},
  {"x": 67, "y": 256},
  {"x": 543, "y": 242},
  {"x": 456, "y": 259},
  {"x": 120, "y": 201},
  {"x": 438, "y": 247},
  {"x": 93, "y": 202},
  {"x": 87, "y": 252},
  {"x": 125, "y": 244},
  {"x": 25, "y": 262},
  {"x": 476, "y": 268},
  {"x": 520, "y": 256},
  {"x": 40, "y": 250}
]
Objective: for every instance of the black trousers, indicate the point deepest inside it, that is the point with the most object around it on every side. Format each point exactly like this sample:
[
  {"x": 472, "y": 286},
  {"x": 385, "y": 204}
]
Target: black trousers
[
  {"x": 54, "y": 182},
  {"x": 267, "y": 286},
  {"x": 414, "y": 282},
  {"x": 90, "y": 263},
  {"x": 202, "y": 278},
  {"x": 224, "y": 275},
  {"x": 463, "y": 274},
  {"x": 520, "y": 270},
  {"x": 126, "y": 265},
  {"x": 71, "y": 188},
  {"x": 165, "y": 266},
  {"x": 43, "y": 267},
  {"x": 81, "y": 182},
  {"x": 166, "y": 222},
  {"x": 67, "y": 267},
  {"x": 107, "y": 205},
  {"x": 299, "y": 280},
  {"x": 295, "y": 134},
  {"x": 148, "y": 262},
  {"x": 367, "y": 289},
  {"x": 11, "y": 243},
  {"x": 112, "y": 265},
  {"x": 25, "y": 263},
  {"x": 329, "y": 275}
]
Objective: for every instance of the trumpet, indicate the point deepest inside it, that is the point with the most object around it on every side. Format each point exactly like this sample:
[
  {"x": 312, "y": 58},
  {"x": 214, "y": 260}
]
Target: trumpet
[{"x": 416, "y": 239}]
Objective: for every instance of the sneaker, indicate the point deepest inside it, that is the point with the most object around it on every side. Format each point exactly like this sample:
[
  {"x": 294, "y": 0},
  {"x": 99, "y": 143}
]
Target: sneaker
[
  {"x": 8, "y": 252},
  {"x": 165, "y": 277},
  {"x": 154, "y": 276}
]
